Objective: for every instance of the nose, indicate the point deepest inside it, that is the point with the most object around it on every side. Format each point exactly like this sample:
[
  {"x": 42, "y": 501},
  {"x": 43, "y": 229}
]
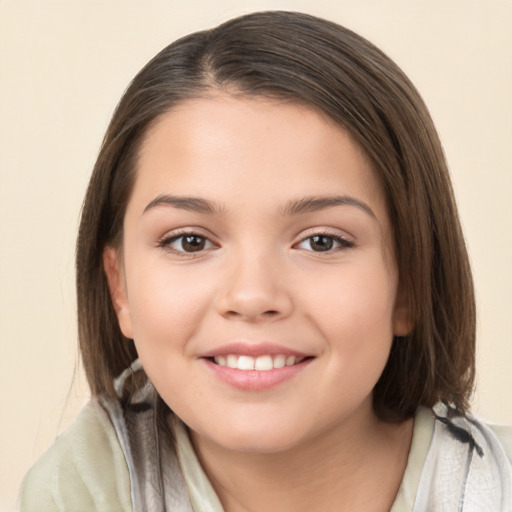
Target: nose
[{"x": 254, "y": 290}]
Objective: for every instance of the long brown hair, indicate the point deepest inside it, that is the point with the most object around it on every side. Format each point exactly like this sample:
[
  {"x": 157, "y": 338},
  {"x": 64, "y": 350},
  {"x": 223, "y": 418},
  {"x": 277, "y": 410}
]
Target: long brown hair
[{"x": 300, "y": 58}]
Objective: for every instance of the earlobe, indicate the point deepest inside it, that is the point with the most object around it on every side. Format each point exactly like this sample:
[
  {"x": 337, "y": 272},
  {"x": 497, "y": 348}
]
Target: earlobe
[{"x": 113, "y": 268}]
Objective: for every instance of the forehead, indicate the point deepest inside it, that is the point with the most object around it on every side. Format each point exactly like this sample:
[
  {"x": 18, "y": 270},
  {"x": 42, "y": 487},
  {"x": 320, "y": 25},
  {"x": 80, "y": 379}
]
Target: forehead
[{"x": 234, "y": 147}]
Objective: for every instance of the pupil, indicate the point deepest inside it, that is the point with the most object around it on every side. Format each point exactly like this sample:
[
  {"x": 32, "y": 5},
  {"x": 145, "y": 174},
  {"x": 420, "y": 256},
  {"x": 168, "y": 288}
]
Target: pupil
[
  {"x": 321, "y": 243},
  {"x": 193, "y": 243}
]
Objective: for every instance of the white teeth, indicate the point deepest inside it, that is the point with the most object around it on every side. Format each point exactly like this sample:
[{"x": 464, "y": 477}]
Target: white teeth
[
  {"x": 264, "y": 363},
  {"x": 246, "y": 363},
  {"x": 279, "y": 361},
  {"x": 232, "y": 361},
  {"x": 290, "y": 360},
  {"x": 261, "y": 363}
]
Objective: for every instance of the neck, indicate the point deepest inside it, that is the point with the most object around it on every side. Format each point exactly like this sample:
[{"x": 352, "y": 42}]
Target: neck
[{"x": 354, "y": 466}]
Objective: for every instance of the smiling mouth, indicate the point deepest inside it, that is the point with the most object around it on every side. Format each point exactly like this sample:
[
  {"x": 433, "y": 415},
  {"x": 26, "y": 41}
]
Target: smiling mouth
[{"x": 260, "y": 363}]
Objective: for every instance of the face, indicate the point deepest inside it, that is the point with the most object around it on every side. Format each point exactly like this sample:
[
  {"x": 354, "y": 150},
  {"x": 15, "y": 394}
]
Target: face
[{"x": 257, "y": 275}]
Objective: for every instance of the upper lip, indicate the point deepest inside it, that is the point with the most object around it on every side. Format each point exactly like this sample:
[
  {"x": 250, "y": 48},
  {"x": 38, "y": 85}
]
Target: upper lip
[{"x": 253, "y": 349}]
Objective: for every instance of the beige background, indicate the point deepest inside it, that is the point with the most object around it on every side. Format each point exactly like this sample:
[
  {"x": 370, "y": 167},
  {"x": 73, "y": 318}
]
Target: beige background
[{"x": 64, "y": 65}]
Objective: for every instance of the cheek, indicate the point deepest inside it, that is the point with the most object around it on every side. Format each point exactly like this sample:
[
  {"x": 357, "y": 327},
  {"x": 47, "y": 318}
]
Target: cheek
[
  {"x": 166, "y": 307},
  {"x": 165, "y": 303},
  {"x": 355, "y": 313},
  {"x": 361, "y": 297}
]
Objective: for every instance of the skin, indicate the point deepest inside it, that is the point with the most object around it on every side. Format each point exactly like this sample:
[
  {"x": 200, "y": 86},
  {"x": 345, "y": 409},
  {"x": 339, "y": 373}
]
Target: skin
[{"x": 260, "y": 278}]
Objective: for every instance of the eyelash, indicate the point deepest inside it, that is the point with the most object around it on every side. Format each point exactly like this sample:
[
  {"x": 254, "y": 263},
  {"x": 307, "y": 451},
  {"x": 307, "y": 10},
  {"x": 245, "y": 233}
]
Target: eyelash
[
  {"x": 165, "y": 243},
  {"x": 342, "y": 241}
]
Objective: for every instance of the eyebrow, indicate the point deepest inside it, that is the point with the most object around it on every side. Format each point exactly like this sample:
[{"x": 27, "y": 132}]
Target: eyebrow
[
  {"x": 315, "y": 203},
  {"x": 193, "y": 204},
  {"x": 296, "y": 207}
]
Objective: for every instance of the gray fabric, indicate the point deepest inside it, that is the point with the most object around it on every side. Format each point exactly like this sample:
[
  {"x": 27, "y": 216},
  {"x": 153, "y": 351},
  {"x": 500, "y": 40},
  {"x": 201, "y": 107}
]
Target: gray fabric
[
  {"x": 466, "y": 469},
  {"x": 85, "y": 470},
  {"x": 152, "y": 489},
  {"x": 116, "y": 458},
  {"x": 202, "y": 495}
]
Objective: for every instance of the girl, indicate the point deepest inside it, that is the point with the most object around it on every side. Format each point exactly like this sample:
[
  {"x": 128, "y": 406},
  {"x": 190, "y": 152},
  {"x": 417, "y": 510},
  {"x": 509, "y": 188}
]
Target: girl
[{"x": 275, "y": 303}]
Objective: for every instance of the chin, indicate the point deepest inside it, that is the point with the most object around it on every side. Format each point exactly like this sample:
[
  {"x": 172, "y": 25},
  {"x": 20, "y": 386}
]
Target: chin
[
  {"x": 263, "y": 445},
  {"x": 255, "y": 439}
]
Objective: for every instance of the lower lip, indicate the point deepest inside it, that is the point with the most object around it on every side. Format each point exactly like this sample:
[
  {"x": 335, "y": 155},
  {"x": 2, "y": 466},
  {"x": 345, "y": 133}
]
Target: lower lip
[{"x": 256, "y": 380}]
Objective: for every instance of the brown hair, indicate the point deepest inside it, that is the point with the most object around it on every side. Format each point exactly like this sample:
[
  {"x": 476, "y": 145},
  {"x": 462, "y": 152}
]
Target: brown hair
[{"x": 300, "y": 58}]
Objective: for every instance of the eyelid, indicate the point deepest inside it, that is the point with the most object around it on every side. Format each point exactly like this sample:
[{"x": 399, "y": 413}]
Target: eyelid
[
  {"x": 164, "y": 242},
  {"x": 327, "y": 231},
  {"x": 346, "y": 241}
]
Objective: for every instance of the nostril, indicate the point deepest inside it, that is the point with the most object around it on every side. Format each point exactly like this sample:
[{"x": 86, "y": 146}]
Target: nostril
[{"x": 269, "y": 314}]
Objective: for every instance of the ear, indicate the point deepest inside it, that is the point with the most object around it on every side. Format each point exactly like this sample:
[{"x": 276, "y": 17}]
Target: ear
[
  {"x": 402, "y": 320},
  {"x": 113, "y": 267}
]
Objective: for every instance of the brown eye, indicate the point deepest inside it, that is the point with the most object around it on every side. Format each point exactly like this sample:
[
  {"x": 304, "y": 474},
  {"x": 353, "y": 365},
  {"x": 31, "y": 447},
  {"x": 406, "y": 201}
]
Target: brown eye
[
  {"x": 193, "y": 243},
  {"x": 324, "y": 243},
  {"x": 187, "y": 243},
  {"x": 321, "y": 243}
]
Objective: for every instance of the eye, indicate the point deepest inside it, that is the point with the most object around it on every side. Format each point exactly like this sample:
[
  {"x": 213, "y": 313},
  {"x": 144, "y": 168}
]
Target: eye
[
  {"x": 324, "y": 243},
  {"x": 186, "y": 243}
]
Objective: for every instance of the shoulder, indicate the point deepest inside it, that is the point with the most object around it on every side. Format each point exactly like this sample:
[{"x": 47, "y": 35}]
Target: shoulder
[
  {"x": 504, "y": 435},
  {"x": 467, "y": 462},
  {"x": 491, "y": 442},
  {"x": 84, "y": 470}
]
